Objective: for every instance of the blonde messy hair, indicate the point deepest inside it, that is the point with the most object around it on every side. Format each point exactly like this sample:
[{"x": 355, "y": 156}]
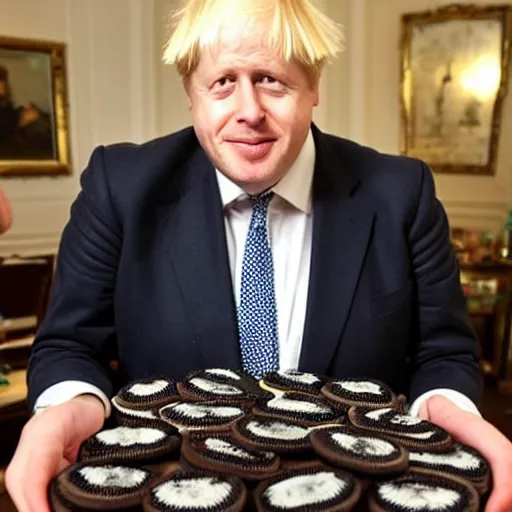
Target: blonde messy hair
[{"x": 297, "y": 30}]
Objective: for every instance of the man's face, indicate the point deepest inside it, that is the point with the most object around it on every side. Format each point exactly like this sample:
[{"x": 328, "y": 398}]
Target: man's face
[{"x": 252, "y": 111}]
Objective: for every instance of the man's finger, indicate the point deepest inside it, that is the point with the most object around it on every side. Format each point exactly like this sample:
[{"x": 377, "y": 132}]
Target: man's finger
[
  {"x": 469, "y": 428},
  {"x": 423, "y": 411},
  {"x": 49, "y": 463},
  {"x": 474, "y": 431},
  {"x": 501, "y": 496},
  {"x": 36, "y": 464}
]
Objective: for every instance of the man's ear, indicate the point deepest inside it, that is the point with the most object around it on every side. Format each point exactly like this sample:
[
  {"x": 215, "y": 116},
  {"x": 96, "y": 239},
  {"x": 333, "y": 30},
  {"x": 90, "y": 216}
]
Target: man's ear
[
  {"x": 315, "y": 90},
  {"x": 316, "y": 97},
  {"x": 186, "y": 86}
]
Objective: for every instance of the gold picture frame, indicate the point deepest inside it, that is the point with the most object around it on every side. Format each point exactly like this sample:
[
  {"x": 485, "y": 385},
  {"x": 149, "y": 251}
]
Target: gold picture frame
[
  {"x": 34, "y": 110},
  {"x": 454, "y": 78}
]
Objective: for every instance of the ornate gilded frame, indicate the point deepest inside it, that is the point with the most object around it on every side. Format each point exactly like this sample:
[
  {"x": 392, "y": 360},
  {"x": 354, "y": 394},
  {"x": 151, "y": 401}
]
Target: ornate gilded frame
[
  {"x": 446, "y": 118},
  {"x": 59, "y": 162}
]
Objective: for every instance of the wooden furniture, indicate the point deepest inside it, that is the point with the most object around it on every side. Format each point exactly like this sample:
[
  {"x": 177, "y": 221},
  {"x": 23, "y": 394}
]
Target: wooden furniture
[
  {"x": 24, "y": 295},
  {"x": 25, "y": 292},
  {"x": 493, "y": 322},
  {"x": 26, "y": 284},
  {"x": 14, "y": 395},
  {"x": 13, "y": 413}
]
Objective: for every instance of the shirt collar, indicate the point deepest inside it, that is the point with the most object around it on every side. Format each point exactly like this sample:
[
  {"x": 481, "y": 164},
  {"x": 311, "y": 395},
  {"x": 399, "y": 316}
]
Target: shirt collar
[{"x": 295, "y": 186}]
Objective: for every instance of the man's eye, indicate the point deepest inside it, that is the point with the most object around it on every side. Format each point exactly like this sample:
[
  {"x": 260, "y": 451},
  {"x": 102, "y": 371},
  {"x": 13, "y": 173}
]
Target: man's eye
[
  {"x": 222, "y": 82},
  {"x": 271, "y": 83}
]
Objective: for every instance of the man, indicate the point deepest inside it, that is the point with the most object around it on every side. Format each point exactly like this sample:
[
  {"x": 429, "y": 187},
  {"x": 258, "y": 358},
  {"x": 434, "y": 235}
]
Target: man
[{"x": 177, "y": 258}]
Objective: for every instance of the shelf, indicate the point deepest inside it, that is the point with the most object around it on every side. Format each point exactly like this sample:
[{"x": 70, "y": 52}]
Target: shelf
[{"x": 481, "y": 312}]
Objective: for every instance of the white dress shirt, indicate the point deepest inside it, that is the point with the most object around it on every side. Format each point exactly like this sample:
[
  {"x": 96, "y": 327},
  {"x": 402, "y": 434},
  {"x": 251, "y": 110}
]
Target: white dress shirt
[{"x": 289, "y": 224}]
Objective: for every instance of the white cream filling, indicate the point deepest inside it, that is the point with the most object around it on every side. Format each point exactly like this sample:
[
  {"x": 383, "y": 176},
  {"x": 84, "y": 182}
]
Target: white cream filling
[
  {"x": 221, "y": 446},
  {"x": 458, "y": 459},
  {"x": 134, "y": 412},
  {"x": 277, "y": 430},
  {"x": 375, "y": 415},
  {"x": 126, "y": 436},
  {"x": 150, "y": 388},
  {"x": 223, "y": 373},
  {"x": 286, "y": 404},
  {"x": 113, "y": 476},
  {"x": 215, "y": 387},
  {"x": 202, "y": 493},
  {"x": 204, "y": 411},
  {"x": 403, "y": 419},
  {"x": 304, "y": 490},
  {"x": 416, "y": 496},
  {"x": 360, "y": 386},
  {"x": 418, "y": 435},
  {"x": 302, "y": 377},
  {"x": 363, "y": 445}
]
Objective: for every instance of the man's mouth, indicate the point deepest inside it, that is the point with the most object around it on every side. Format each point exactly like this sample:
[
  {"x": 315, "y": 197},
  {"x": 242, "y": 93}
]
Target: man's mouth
[{"x": 252, "y": 149}]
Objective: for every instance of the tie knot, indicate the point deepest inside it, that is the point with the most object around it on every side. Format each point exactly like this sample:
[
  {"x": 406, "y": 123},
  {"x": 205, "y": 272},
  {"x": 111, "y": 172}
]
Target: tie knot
[{"x": 260, "y": 203}]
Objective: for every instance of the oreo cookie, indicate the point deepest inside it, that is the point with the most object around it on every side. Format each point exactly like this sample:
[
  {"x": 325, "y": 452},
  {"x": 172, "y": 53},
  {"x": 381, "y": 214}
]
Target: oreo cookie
[
  {"x": 365, "y": 454},
  {"x": 91, "y": 486},
  {"x": 221, "y": 453},
  {"x": 293, "y": 381},
  {"x": 120, "y": 445},
  {"x": 279, "y": 436},
  {"x": 412, "y": 432},
  {"x": 220, "y": 385},
  {"x": 416, "y": 492},
  {"x": 138, "y": 417},
  {"x": 148, "y": 393},
  {"x": 226, "y": 375},
  {"x": 369, "y": 393},
  {"x": 196, "y": 491},
  {"x": 211, "y": 416},
  {"x": 200, "y": 389},
  {"x": 460, "y": 460},
  {"x": 300, "y": 409},
  {"x": 314, "y": 489}
]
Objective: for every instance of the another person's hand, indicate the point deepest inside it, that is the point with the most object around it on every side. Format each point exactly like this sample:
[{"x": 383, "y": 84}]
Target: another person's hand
[
  {"x": 49, "y": 443},
  {"x": 474, "y": 431},
  {"x": 5, "y": 212}
]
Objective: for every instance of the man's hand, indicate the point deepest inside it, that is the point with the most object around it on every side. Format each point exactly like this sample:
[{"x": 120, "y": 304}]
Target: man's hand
[
  {"x": 49, "y": 443},
  {"x": 474, "y": 431}
]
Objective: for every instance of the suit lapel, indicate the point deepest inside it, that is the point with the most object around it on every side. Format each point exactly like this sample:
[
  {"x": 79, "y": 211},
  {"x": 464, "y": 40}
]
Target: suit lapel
[
  {"x": 341, "y": 231},
  {"x": 196, "y": 243}
]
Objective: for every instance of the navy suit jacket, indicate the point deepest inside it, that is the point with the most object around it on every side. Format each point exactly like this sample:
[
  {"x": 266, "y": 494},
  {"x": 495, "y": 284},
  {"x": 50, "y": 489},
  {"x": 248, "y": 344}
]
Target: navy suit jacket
[{"x": 143, "y": 274}]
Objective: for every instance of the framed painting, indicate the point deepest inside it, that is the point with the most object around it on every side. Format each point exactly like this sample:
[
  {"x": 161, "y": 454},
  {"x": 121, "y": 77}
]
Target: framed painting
[
  {"x": 454, "y": 78},
  {"x": 34, "y": 116}
]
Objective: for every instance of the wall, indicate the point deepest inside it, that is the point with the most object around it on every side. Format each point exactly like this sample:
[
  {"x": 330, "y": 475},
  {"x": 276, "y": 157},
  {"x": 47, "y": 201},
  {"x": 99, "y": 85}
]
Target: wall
[
  {"x": 471, "y": 201},
  {"x": 111, "y": 91}
]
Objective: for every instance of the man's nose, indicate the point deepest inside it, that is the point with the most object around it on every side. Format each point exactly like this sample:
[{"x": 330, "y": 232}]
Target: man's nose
[{"x": 249, "y": 107}]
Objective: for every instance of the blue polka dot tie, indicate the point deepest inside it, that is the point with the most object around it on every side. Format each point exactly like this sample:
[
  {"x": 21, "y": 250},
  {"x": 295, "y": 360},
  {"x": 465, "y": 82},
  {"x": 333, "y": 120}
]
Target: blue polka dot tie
[{"x": 257, "y": 311}]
